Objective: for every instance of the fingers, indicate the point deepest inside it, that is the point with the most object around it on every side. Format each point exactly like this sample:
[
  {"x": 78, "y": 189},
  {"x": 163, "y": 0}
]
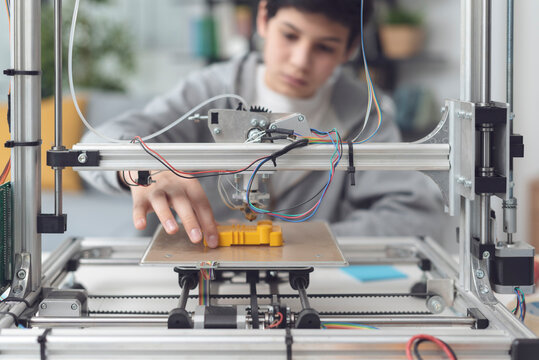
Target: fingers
[
  {"x": 204, "y": 213},
  {"x": 186, "y": 197},
  {"x": 160, "y": 204},
  {"x": 185, "y": 211}
]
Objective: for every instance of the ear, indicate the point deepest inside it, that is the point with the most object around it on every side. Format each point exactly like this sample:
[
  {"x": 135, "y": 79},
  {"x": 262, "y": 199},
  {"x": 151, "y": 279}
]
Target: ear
[
  {"x": 353, "y": 51},
  {"x": 262, "y": 19}
]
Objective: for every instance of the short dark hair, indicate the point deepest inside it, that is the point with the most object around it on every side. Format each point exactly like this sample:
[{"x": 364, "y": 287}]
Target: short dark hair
[{"x": 345, "y": 12}]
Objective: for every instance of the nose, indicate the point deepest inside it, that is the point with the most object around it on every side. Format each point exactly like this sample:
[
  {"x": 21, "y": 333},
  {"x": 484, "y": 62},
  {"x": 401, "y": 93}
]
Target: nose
[{"x": 301, "y": 56}]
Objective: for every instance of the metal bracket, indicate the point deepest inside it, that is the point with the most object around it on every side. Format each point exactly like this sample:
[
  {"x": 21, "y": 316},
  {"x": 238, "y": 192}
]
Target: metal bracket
[
  {"x": 64, "y": 303},
  {"x": 445, "y": 288},
  {"x": 70, "y": 158},
  {"x": 22, "y": 274},
  {"x": 481, "y": 281}
]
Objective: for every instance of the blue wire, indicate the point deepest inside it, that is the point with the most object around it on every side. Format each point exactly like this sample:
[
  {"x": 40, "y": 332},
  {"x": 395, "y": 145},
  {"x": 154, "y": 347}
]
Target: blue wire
[
  {"x": 331, "y": 171},
  {"x": 368, "y": 74}
]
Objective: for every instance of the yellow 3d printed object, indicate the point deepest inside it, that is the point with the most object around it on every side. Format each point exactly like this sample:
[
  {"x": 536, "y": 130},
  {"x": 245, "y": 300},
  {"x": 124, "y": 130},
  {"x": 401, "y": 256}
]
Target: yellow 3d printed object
[{"x": 263, "y": 233}]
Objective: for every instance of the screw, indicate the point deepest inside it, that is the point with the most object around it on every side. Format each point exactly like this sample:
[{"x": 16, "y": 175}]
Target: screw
[
  {"x": 435, "y": 304},
  {"x": 301, "y": 118},
  {"x": 21, "y": 274},
  {"x": 486, "y": 254},
  {"x": 484, "y": 289},
  {"x": 480, "y": 274},
  {"x": 461, "y": 180},
  {"x": 273, "y": 127},
  {"x": 263, "y": 123},
  {"x": 443, "y": 109},
  {"x": 17, "y": 290},
  {"x": 82, "y": 158},
  {"x": 467, "y": 184},
  {"x": 74, "y": 307},
  {"x": 168, "y": 255},
  {"x": 43, "y": 306},
  {"x": 217, "y": 130},
  {"x": 254, "y": 122}
]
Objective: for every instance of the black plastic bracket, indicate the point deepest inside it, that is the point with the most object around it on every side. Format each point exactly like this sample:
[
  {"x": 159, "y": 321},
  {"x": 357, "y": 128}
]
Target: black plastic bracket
[
  {"x": 524, "y": 349},
  {"x": 479, "y": 250},
  {"x": 516, "y": 149},
  {"x": 179, "y": 318},
  {"x": 51, "y": 224},
  {"x": 490, "y": 115},
  {"x": 424, "y": 263},
  {"x": 187, "y": 278},
  {"x": 481, "y": 322},
  {"x": 70, "y": 158},
  {"x": 490, "y": 185},
  {"x": 308, "y": 319},
  {"x": 299, "y": 278}
]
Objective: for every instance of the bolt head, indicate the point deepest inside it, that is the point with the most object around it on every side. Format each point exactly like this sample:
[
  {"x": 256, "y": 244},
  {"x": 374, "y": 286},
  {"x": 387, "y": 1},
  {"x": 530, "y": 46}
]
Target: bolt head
[
  {"x": 43, "y": 306},
  {"x": 480, "y": 274},
  {"x": 486, "y": 254},
  {"x": 484, "y": 289},
  {"x": 301, "y": 118},
  {"x": 21, "y": 274},
  {"x": 254, "y": 122},
  {"x": 74, "y": 306},
  {"x": 217, "y": 130},
  {"x": 82, "y": 158},
  {"x": 273, "y": 127}
]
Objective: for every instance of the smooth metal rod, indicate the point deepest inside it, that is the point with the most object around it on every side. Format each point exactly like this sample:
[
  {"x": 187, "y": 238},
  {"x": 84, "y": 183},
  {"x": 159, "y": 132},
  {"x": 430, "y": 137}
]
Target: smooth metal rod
[
  {"x": 485, "y": 41},
  {"x": 403, "y": 320},
  {"x": 510, "y": 57},
  {"x": 58, "y": 103},
  {"x": 157, "y": 320},
  {"x": 484, "y": 204},
  {"x": 485, "y": 141},
  {"x": 184, "y": 296},
  {"x": 304, "y": 298},
  {"x": 26, "y": 160}
]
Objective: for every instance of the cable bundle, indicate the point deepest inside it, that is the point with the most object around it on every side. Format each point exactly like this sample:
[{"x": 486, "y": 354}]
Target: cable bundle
[
  {"x": 416, "y": 340},
  {"x": 521, "y": 304}
]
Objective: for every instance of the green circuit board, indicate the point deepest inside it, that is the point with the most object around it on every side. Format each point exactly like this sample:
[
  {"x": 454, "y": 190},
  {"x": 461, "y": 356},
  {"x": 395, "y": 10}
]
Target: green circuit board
[{"x": 6, "y": 234}]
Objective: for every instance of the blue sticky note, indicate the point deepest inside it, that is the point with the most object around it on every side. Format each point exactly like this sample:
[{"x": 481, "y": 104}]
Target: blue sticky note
[{"x": 374, "y": 272}]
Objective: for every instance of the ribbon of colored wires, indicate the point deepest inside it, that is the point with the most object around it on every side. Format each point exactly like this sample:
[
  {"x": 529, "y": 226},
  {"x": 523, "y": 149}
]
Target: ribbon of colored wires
[
  {"x": 371, "y": 91},
  {"x": 204, "y": 287},
  {"x": 424, "y": 337},
  {"x": 521, "y": 304},
  {"x": 346, "y": 325},
  {"x": 335, "y": 158}
]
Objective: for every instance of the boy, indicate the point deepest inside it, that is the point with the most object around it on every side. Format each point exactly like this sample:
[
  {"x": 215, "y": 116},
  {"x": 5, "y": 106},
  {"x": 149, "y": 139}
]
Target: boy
[{"x": 306, "y": 41}]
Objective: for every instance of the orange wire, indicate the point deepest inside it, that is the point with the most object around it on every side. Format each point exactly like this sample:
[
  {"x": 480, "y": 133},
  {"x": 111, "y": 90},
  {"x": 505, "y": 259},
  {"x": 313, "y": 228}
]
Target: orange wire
[{"x": 5, "y": 172}]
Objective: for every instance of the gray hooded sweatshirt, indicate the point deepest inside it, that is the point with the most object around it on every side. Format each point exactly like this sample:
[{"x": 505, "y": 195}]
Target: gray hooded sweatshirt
[{"x": 382, "y": 203}]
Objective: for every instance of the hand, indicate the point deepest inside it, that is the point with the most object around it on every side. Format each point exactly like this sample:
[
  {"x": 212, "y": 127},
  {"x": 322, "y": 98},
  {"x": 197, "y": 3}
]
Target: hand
[{"x": 186, "y": 197}]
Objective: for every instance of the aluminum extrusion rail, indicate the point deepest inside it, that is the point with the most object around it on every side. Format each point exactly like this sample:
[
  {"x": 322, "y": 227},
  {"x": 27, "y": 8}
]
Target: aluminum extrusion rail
[{"x": 210, "y": 156}]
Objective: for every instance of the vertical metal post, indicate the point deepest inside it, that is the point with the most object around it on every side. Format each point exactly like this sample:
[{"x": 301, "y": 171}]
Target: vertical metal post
[
  {"x": 26, "y": 110},
  {"x": 510, "y": 203},
  {"x": 485, "y": 47},
  {"x": 58, "y": 103}
]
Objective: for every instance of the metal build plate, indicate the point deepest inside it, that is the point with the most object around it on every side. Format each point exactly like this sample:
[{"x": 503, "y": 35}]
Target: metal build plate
[{"x": 308, "y": 244}]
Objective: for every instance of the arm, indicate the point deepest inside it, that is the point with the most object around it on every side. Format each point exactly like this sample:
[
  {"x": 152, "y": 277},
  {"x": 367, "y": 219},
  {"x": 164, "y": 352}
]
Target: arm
[{"x": 185, "y": 196}]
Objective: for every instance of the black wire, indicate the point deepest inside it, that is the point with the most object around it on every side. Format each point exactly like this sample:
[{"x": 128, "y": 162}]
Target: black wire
[
  {"x": 199, "y": 176},
  {"x": 416, "y": 348},
  {"x": 126, "y": 182},
  {"x": 303, "y": 203}
]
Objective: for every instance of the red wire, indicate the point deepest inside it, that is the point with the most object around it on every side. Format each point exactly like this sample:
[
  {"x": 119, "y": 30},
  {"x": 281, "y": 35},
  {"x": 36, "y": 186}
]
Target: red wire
[
  {"x": 277, "y": 322},
  {"x": 410, "y": 343},
  {"x": 196, "y": 172},
  {"x": 5, "y": 172}
]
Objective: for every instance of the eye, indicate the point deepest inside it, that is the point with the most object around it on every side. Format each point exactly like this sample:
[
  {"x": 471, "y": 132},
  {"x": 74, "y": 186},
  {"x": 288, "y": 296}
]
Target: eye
[
  {"x": 290, "y": 36},
  {"x": 325, "y": 48}
]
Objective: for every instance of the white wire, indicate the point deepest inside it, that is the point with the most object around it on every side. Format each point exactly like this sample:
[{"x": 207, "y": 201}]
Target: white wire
[{"x": 98, "y": 133}]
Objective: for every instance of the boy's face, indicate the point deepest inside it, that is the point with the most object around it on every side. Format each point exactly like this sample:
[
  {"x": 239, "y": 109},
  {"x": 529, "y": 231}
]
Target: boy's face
[{"x": 301, "y": 50}]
